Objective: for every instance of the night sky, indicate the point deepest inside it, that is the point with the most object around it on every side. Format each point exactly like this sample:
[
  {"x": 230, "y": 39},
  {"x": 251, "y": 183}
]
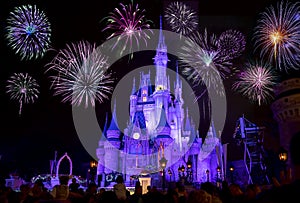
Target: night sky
[{"x": 28, "y": 141}]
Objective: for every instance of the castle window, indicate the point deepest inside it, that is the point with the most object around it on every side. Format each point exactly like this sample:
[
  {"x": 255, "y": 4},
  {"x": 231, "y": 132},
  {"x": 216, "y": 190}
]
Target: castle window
[
  {"x": 144, "y": 99},
  {"x": 144, "y": 92}
]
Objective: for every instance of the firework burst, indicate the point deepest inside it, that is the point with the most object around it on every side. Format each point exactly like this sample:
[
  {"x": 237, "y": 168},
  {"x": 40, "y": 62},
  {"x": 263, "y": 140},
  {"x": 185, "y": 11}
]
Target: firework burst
[
  {"x": 130, "y": 25},
  {"x": 277, "y": 35},
  {"x": 181, "y": 18},
  {"x": 204, "y": 62},
  {"x": 256, "y": 82},
  {"x": 29, "y": 32},
  {"x": 23, "y": 88},
  {"x": 81, "y": 74},
  {"x": 231, "y": 43}
]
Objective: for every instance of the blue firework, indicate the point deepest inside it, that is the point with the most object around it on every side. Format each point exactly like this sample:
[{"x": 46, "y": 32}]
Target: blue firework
[{"x": 28, "y": 32}]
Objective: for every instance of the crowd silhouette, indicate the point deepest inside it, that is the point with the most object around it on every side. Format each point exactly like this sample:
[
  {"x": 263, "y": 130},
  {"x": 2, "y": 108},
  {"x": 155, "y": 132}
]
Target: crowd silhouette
[{"x": 284, "y": 190}]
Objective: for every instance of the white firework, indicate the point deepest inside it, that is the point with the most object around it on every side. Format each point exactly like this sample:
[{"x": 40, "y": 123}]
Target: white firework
[{"x": 181, "y": 18}]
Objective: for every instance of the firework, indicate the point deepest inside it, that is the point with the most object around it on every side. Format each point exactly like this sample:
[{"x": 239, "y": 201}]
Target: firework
[
  {"x": 23, "y": 88},
  {"x": 203, "y": 62},
  {"x": 181, "y": 18},
  {"x": 130, "y": 25},
  {"x": 256, "y": 82},
  {"x": 81, "y": 74},
  {"x": 277, "y": 35},
  {"x": 29, "y": 32},
  {"x": 231, "y": 43}
]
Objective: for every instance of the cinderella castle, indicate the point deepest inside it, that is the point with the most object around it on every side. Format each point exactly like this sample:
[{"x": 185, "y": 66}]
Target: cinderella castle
[{"x": 159, "y": 128}]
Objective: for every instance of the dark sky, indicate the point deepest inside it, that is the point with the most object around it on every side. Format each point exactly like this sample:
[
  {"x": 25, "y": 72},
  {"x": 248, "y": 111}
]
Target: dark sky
[{"x": 29, "y": 141}]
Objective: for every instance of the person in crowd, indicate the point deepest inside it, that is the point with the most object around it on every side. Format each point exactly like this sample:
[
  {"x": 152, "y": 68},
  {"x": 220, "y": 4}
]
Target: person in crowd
[
  {"x": 213, "y": 190},
  {"x": 23, "y": 195},
  {"x": 74, "y": 186},
  {"x": 225, "y": 194},
  {"x": 236, "y": 192},
  {"x": 137, "y": 196},
  {"x": 288, "y": 190},
  {"x": 252, "y": 191},
  {"x": 61, "y": 191},
  {"x": 199, "y": 196},
  {"x": 39, "y": 191},
  {"x": 90, "y": 195},
  {"x": 120, "y": 189}
]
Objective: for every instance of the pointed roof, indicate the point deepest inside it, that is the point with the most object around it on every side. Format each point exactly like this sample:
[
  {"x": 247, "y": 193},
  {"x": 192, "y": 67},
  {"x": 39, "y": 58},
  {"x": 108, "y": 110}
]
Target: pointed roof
[
  {"x": 213, "y": 129},
  {"x": 139, "y": 120},
  {"x": 113, "y": 123},
  {"x": 177, "y": 75},
  {"x": 193, "y": 136},
  {"x": 163, "y": 119},
  {"x": 133, "y": 91},
  {"x": 187, "y": 121},
  {"x": 102, "y": 138},
  {"x": 161, "y": 41}
]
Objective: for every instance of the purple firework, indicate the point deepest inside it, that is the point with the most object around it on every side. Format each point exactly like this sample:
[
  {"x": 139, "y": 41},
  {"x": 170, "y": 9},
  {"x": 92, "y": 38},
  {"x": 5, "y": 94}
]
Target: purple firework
[
  {"x": 130, "y": 25},
  {"x": 23, "y": 88},
  {"x": 231, "y": 43},
  {"x": 277, "y": 35},
  {"x": 81, "y": 74},
  {"x": 28, "y": 32},
  {"x": 256, "y": 82},
  {"x": 181, "y": 18}
]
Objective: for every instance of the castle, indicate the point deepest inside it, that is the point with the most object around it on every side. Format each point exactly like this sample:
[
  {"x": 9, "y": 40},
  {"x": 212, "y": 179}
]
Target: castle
[{"x": 159, "y": 127}]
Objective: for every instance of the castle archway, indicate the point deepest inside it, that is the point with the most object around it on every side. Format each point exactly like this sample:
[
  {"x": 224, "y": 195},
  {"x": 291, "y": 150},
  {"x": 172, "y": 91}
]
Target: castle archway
[{"x": 59, "y": 161}]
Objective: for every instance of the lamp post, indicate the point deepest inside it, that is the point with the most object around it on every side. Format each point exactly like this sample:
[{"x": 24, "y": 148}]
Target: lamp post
[
  {"x": 218, "y": 176},
  {"x": 163, "y": 163},
  {"x": 231, "y": 169},
  {"x": 170, "y": 174},
  {"x": 93, "y": 166},
  {"x": 283, "y": 157},
  {"x": 189, "y": 171},
  {"x": 207, "y": 175}
]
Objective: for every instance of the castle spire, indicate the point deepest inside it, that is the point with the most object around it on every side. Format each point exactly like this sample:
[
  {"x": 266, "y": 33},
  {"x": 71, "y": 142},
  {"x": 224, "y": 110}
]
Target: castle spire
[
  {"x": 161, "y": 42},
  {"x": 104, "y": 129},
  {"x": 113, "y": 124},
  {"x": 133, "y": 87},
  {"x": 177, "y": 74},
  {"x": 161, "y": 60}
]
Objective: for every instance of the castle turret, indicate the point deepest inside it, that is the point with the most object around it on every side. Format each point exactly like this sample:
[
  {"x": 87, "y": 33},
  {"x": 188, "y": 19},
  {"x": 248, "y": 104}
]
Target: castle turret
[
  {"x": 133, "y": 99},
  {"x": 286, "y": 110},
  {"x": 100, "y": 152},
  {"x": 163, "y": 137},
  {"x": 161, "y": 94},
  {"x": 113, "y": 145},
  {"x": 161, "y": 60}
]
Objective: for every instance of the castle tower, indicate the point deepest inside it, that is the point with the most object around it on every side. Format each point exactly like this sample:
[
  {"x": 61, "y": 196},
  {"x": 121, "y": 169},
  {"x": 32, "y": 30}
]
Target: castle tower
[
  {"x": 100, "y": 150},
  {"x": 161, "y": 94},
  {"x": 112, "y": 147},
  {"x": 161, "y": 60},
  {"x": 133, "y": 100},
  {"x": 286, "y": 110},
  {"x": 163, "y": 137}
]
